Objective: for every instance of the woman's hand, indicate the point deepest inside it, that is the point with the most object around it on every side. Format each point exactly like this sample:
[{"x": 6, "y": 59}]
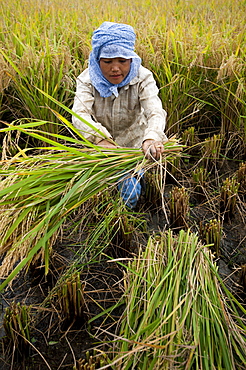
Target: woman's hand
[
  {"x": 152, "y": 148},
  {"x": 106, "y": 144}
]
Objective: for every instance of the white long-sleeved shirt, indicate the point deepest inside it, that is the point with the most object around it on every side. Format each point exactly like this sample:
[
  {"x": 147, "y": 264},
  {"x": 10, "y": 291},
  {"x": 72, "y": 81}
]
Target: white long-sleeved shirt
[{"x": 134, "y": 116}]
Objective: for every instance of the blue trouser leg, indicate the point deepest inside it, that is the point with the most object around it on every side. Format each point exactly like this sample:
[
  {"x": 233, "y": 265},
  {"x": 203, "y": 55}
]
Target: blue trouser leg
[{"x": 130, "y": 189}]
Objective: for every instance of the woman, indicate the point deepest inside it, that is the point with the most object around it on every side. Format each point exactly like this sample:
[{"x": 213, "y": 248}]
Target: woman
[{"x": 119, "y": 97}]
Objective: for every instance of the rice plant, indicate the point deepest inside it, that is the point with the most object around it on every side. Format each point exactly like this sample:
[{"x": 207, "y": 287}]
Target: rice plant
[
  {"x": 123, "y": 229},
  {"x": 211, "y": 151},
  {"x": 107, "y": 207},
  {"x": 155, "y": 185},
  {"x": 193, "y": 50},
  {"x": 228, "y": 195},
  {"x": 91, "y": 362},
  {"x": 177, "y": 315},
  {"x": 179, "y": 207},
  {"x": 16, "y": 323},
  {"x": 190, "y": 139},
  {"x": 56, "y": 81},
  {"x": 115, "y": 227},
  {"x": 175, "y": 166},
  {"x": 231, "y": 98},
  {"x": 211, "y": 233},
  {"x": 70, "y": 297},
  {"x": 100, "y": 203},
  {"x": 201, "y": 179},
  {"x": 38, "y": 192}
]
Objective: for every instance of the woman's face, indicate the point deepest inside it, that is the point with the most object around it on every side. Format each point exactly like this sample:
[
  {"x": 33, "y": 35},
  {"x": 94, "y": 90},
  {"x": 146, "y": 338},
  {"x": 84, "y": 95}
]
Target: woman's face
[{"x": 115, "y": 69}]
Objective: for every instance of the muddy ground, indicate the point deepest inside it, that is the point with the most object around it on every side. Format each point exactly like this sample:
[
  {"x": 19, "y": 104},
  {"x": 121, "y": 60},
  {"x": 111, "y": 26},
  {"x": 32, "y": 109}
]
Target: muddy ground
[{"x": 58, "y": 346}]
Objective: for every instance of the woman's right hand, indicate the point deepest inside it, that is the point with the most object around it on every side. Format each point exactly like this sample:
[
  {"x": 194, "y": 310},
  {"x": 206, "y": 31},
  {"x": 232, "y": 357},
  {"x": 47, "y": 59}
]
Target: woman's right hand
[{"x": 153, "y": 149}]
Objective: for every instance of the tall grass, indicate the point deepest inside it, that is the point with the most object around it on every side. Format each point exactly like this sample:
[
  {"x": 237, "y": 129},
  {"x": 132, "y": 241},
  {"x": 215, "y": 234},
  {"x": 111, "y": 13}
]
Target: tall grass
[{"x": 195, "y": 50}]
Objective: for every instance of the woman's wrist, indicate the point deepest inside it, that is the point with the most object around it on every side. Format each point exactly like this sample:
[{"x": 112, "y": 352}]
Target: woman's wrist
[{"x": 106, "y": 143}]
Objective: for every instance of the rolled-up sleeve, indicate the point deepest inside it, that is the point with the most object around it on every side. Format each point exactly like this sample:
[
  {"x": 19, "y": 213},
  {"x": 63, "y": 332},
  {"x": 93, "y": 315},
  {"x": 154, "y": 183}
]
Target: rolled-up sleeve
[
  {"x": 153, "y": 110},
  {"x": 83, "y": 106}
]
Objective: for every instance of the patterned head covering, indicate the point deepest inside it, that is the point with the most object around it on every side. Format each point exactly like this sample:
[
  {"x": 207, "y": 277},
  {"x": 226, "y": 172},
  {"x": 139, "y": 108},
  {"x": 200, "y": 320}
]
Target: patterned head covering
[{"x": 112, "y": 40}]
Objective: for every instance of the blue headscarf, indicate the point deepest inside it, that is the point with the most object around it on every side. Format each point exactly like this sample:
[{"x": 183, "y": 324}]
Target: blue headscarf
[{"x": 112, "y": 40}]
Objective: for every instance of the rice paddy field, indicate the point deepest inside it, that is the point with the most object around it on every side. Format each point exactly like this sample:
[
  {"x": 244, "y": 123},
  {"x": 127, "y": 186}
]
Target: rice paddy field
[{"x": 85, "y": 283}]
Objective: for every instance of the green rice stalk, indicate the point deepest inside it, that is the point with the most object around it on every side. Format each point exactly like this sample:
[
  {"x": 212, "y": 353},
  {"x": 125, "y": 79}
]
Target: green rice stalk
[
  {"x": 179, "y": 207},
  {"x": 49, "y": 186},
  {"x": 122, "y": 231},
  {"x": 16, "y": 323},
  {"x": 189, "y": 137},
  {"x": 154, "y": 192},
  {"x": 177, "y": 315},
  {"x": 193, "y": 49},
  {"x": 211, "y": 233},
  {"x": 231, "y": 89},
  {"x": 200, "y": 176},
  {"x": 228, "y": 195},
  {"x": 155, "y": 180},
  {"x": 70, "y": 297},
  {"x": 99, "y": 239},
  {"x": 211, "y": 151},
  {"x": 47, "y": 71}
]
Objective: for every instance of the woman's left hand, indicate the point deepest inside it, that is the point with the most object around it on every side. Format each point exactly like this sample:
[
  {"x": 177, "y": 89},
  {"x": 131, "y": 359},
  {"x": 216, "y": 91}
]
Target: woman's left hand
[{"x": 152, "y": 148}]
